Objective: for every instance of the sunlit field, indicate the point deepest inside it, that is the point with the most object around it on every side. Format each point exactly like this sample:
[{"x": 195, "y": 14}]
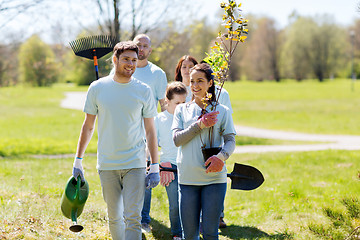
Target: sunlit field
[{"x": 38, "y": 140}]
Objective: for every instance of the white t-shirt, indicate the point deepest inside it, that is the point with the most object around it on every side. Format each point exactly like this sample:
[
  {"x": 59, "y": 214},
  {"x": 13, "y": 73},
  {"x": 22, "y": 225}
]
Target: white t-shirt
[
  {"x": 224, "y": 97},
  {"x": 163, "y": 122},
  {"x": 155, "y": 77},
  {"x": 120, "y": 108},
  {"x": 189, "y": 94},
  {"x": 190, "y": 161}
]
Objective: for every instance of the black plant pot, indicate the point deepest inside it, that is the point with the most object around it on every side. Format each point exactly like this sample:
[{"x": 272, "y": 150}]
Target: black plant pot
[{"x": 208, "y": 152}]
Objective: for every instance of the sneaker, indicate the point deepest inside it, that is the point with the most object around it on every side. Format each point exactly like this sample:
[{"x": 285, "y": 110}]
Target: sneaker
[
  {"x": 222, "y": 224},
  {"x": 177, "y": 238},
  {"x": 145, "y": 228}
]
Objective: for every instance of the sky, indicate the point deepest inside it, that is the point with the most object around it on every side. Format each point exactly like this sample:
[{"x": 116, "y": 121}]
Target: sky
[{"x": 343, "y": 11}]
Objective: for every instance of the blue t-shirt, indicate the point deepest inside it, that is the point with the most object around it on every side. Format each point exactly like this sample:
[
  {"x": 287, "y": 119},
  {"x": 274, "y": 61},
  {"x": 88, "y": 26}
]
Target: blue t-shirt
[
  {"x": 163, "y": 122},
  {"x": 120, "y": 108},
  {"x": 155, "y": 77},
  {"x": 190, "y": 161}
]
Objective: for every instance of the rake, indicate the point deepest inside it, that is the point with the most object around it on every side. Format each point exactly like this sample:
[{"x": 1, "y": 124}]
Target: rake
[{"x": 93, "y": 47}]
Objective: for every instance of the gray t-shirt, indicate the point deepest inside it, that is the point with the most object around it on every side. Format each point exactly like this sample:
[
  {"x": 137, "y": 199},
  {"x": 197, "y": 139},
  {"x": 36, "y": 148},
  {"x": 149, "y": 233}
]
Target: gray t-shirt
[{"x": 121, "y": 108}]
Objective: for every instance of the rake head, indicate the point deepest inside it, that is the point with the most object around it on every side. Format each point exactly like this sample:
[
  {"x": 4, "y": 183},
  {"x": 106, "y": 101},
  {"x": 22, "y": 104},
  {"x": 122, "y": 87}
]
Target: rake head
[{"x": 87, "y": 47}]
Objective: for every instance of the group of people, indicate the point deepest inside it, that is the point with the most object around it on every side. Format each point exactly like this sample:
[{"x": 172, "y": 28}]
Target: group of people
[{"x": 130, "y": 130}]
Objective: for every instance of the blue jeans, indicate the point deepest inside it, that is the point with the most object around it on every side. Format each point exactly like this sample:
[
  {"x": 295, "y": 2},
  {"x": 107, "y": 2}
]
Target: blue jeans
[
  {"x": 123, "y": 192},
  {"x": 209, "y": 200},
  {"x": 173, "y": 195},
  {"x": 145, "y": 212}
]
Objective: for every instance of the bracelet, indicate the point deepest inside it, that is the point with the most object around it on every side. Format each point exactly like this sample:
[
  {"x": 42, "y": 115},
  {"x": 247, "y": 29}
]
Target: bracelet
[{"x": 79, "y": 158}]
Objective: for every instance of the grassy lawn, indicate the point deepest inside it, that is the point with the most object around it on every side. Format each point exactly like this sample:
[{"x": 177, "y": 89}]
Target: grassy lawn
[
  {"x": 327, "y": 108},
  {"x": 32, "y": 121},
  {"x": 297, "y": 186}
]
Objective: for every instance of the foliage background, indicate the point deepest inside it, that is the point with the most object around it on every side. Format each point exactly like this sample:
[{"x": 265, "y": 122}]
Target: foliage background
[{"x": 308, "y": 47}]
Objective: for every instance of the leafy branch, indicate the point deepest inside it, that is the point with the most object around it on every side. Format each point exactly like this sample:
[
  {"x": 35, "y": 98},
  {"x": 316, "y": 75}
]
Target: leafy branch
[{"x": 224, "y": 47}]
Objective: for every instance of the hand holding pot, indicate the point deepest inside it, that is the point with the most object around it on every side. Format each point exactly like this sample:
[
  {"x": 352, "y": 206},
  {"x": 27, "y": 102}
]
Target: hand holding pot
[
  {"x": 78, "y": 169},
  {"x": 216, "y": 164},
  {"x": 152, "y": 178},
  {"x": 166, "y": 177},
  {"x": 208, "y": 120}
]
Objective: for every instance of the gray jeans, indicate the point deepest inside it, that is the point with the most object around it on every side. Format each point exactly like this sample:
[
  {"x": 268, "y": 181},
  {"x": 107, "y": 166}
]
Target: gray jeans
[{"x": 123, "y": 192}]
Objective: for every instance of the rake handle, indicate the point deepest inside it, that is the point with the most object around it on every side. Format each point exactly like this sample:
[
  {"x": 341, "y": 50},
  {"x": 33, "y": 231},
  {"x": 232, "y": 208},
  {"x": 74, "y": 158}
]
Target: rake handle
[{"x": 96, "y": 64}]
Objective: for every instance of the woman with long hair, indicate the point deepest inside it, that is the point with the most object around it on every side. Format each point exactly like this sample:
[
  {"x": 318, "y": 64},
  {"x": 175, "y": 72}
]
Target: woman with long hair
[
  {"x": 202, "y": 181},
  {"x": 182, "y": 72}
]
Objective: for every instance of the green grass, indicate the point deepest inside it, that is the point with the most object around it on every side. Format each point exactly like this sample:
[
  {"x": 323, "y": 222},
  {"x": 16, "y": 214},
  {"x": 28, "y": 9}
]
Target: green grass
[
  {"x": 328, "y": 108},
  {"x": 297, "y": 187},
  {"x": 32, "y": 121},
  {"x": 244, "y": 140}
]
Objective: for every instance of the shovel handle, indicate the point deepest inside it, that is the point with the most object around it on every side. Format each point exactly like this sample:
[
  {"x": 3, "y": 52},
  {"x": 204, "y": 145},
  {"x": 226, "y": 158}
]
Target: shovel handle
[{"x": 231, "y": 175}]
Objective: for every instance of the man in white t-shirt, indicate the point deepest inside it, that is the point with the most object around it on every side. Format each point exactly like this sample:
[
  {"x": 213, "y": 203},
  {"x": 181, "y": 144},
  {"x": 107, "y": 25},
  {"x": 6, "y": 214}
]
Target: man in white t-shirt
[
  {"x": 148, "y": 72},
  {"x": 155, "y": 77},
  {"x": 124, "y": 107}
]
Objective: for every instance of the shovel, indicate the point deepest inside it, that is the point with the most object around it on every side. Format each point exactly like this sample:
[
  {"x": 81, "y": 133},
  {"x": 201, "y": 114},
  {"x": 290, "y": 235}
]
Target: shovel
[{"x": 243, "y": 177}]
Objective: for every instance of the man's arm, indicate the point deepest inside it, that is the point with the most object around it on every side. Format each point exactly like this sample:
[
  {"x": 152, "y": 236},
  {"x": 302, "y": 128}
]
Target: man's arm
[
  {"x": 153, "y": 177},
  {"x": 162, "y": 104},
  {"x": 86, "y": 133},
  {"x": 151, "y": 139}
]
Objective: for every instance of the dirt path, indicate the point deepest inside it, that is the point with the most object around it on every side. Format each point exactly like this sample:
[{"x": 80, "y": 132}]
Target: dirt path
[{"x": 76, "y": 100}]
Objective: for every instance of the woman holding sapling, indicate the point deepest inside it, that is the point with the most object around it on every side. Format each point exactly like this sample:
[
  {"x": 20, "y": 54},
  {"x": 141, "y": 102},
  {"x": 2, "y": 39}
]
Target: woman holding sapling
[
  {"x": 202, "y": 123},
  {"x": 182, "y": 74}
]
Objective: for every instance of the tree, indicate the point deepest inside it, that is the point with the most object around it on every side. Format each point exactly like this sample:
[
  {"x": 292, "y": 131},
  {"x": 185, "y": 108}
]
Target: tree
[
  {"x": 273, "y": 45},
  {"x": 8, "y": 64},
  {"x": 262, "y": 54},
  {"x": 126, "y": 19},
  {"x": 14, "y": 8},
  {"x": 201, "y": 35},
  {"x": 297, "y": 40},
  {"x": 170, "y": 44},
  {"x": 324, "y": 48},
  {"x": 37, "y": 64},
  {"x": 354, "y": 49}
]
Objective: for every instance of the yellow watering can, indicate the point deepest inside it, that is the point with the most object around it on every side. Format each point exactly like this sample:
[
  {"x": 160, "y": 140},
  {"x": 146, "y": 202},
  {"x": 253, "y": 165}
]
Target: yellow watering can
[{"x": 73, "y": 201}]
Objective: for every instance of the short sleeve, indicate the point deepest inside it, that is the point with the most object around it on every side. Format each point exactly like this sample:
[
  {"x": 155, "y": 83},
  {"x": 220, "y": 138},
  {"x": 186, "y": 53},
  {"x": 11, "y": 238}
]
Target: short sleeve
[
  {"x": 177, "y": 121},
  {"x": 224, "y": 99},
  {"x": 91, "y": 106},
  {"x": 228, "y": 124}
]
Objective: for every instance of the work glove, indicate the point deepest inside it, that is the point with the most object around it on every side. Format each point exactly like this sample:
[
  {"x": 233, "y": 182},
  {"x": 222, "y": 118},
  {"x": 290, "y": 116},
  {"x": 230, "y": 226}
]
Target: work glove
[
  {"x": 166, "y": 177},
  {"x": 78, "y": 169},
  {"x": 208, "y": 120},
  {"x": 153, "y": 177},
  {"x": 216, "y": 163}
]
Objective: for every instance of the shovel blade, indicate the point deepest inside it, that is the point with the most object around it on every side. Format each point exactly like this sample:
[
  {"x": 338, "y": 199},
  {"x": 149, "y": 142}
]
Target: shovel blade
[{"x": 245, "y": 177}]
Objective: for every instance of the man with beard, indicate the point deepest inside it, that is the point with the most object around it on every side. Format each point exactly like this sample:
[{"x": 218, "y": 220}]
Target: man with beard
[
  {"x": 148, "y": 72},
  {"x": 155, "y": 77},
  {"x": 123, "y": 106}
]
